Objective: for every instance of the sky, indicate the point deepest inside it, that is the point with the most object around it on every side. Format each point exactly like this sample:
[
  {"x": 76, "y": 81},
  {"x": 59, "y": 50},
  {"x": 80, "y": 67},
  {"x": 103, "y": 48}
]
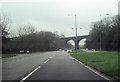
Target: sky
[{"x": 52, "y": 15}]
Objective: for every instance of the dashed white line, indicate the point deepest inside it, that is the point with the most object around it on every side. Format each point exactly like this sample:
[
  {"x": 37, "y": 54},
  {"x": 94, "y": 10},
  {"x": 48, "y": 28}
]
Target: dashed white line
[
  {"x": 30, "y": 74},
  {"x": 46, "y": 60},
  {"x": 52, "y": 56}
]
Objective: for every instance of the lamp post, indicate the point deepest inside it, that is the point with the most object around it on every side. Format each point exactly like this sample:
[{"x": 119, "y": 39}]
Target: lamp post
[
  {"x": 101, "y": 33},
  {"x": 75, "y": 29}
]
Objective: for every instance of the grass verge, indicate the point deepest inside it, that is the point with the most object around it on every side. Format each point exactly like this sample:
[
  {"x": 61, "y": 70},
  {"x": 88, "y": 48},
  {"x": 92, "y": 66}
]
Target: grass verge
[
  {"x": 12, "y": 55},
  {"x": 8, "y": 55},
  {"x": 106, "y": 62}
]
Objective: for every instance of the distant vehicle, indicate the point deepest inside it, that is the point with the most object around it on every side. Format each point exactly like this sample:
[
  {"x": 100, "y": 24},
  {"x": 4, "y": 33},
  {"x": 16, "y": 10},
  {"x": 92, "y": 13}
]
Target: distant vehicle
[
  {"x": 86, "y": 48},
  {"x": 27, "y": 51},
  {"x": 60, "y": 49},
  {"x": 21, "y": 51}
]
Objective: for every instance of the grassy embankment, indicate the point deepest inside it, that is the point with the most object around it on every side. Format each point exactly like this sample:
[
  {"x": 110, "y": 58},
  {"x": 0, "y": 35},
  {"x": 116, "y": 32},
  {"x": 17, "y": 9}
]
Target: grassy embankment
[
  {"x": 106, "y": 62},
  {"x": 8, "y": 55}
]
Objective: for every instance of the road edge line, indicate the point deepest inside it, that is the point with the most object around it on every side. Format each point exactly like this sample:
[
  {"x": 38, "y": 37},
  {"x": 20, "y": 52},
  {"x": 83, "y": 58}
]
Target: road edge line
[
  {"x": 95, "y": 71},
  {"x": 30, "y": 74}
]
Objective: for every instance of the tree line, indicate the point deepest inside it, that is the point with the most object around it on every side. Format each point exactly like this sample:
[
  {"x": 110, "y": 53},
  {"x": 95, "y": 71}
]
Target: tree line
[
  {"x": 28, "y": 38},
  {"x": 109, "y": 30}
]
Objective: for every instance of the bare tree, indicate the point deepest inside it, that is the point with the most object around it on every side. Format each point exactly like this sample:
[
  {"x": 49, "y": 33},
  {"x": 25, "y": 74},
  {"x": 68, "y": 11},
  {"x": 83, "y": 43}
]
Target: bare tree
[
  {"x": 21, "y": 30},
  {"x": 30, "y": 29},
  {"x": 4, "y": 25},
  {"x": 26, "y": 29}
]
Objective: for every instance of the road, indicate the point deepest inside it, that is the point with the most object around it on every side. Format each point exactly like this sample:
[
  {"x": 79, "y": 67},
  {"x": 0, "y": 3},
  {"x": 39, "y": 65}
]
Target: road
[{"x": 57, "y": 65}]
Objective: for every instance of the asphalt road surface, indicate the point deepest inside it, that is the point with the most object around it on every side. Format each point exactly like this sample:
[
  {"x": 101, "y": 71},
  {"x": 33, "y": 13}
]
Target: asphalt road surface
[{"x": 57, "y": 65}]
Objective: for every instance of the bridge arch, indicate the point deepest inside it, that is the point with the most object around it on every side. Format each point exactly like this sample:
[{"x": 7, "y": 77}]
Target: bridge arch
[
  {"x": 82, "y": 42},
  {"x": 71, "y": 42},
  {"x": 79, "y": 38}
]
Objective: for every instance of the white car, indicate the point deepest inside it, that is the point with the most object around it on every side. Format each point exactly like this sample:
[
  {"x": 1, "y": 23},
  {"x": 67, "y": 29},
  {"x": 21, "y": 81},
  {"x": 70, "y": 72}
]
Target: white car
[
  {"x": 60, "y": 49},
  {"x": 87, "y": 49},
  {"x": 21, "y": 51}
]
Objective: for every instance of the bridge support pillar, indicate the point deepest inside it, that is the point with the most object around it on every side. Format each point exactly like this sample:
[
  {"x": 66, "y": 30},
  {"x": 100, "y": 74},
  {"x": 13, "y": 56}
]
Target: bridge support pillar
[{"x": 76, "y": 44}]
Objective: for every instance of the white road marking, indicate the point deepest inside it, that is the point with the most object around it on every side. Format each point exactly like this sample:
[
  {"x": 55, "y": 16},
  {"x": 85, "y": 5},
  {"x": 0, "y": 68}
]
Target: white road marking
[
  {"x": 101, "y": 75},
  {"x": 72, "y": 58},
  {"x": 79, "y": 62},
  {"x": 51, "y": 57},
  {"x": 98, "y": 73},
  {"x": 46, "y": 60},
  {"x": 30, "y": 74}
]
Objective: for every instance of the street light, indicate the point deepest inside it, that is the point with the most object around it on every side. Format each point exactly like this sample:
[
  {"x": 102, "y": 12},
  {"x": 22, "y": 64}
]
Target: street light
[
  {"x": 101, "y": 33},
  {"x": 75, "y": 28}
]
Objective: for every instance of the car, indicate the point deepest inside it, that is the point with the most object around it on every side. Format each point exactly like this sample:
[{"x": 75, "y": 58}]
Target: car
[
  {"x": 60, "y": 49},
  {"x": 86, "y": 48},
  {"x": 28, "y": 51},
  {"x": 21, "y": 51}
]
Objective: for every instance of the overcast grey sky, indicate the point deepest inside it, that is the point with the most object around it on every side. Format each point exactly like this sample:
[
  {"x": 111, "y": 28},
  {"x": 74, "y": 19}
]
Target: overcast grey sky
[{"x": 51, "y": 15}]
